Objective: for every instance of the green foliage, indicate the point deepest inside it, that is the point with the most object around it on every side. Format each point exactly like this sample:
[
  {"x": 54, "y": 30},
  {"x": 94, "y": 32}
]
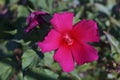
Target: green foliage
[
  {"x": 21, "y": 59},
  {"x": 29, "y": 59}
]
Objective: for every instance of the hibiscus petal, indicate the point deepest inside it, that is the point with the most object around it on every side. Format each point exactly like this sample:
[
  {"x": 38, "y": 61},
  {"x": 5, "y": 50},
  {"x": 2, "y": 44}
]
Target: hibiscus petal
[
  {"x": 64, "y": 57},
  {"x": 62, "y": 21},
  {"x": 33, "y": 14},
  {"x": 30, "y": 17},
  {"x": 87, "y": 30},
  {"x": 84, "y": 53},
  {"x": 34, "y": 19},
  {"x": 33, "y": 24},
  {"x": 51, "y": 42}
]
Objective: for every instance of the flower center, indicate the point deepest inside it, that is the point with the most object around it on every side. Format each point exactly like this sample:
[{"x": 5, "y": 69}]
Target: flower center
[{"x": 68, "y": 39}]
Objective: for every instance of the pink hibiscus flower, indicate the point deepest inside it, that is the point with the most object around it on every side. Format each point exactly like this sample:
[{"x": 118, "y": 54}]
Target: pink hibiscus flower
[
  {"x": 71, "y": 41},
  {"x": 34, "y": 19}
]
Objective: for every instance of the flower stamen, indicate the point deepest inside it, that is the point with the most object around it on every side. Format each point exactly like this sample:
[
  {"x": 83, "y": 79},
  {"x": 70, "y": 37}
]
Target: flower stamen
[{"x": 68, "y": 39}]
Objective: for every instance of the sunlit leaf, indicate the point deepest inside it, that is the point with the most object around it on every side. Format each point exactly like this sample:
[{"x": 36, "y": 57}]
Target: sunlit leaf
[
  {"x": 2, "y": 2},
  {"x": 22, "y": 11},
  {"x": 110, "y": 4},
  {"x": 11, "y": 32},
  {"x": 102, "y": 8}
]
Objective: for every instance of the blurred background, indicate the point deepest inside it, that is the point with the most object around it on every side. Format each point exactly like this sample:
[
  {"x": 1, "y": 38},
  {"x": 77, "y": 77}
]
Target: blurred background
[{"x": 21, "y": 59}]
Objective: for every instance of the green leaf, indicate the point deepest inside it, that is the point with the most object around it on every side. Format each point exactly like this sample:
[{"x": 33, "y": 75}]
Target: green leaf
[
  {"x": 13, "y": 1},
  {"x": 110, "y": 4},
  {"x": 90, "y": 15},
  {"x": 51, "y": 73},
  {"x": 7, "y": 68},
  {"x": 43, "y": 4},
  {"x": 22, "y": 11},
  {"x": 50, "y": 3},
  {"x": 59, "y": 7},
  {"x": 22, "y": 42},
  {"x": 78, "y": 14},
  {"x": 102, "y": 8},
  {"x": 13, "y": 32},
  {"x": 115, "y": 22},
  {"x": 39, "y": 74},
  {"x": 19, "y": 76},
  {"x": 29, "y": 58},
  {"x": 48, "y": 59},
  {"x": 75, "y": 74},
  {"x": 84, "y": 67},
  {"x": 116, "y": 57},
  {"x": 2, "y": 2},
  {"x": 115, "y": 45}
]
